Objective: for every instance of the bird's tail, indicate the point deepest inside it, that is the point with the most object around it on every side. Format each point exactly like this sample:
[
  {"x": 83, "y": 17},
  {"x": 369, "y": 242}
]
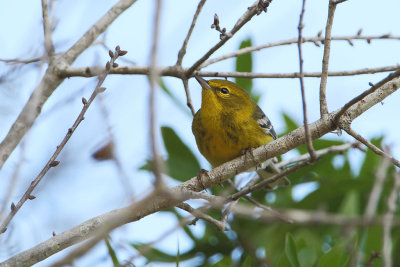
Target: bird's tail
[{"x": 269, "y": 171}]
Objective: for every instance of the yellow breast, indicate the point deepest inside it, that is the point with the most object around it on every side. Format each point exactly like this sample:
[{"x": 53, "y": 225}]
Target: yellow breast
[{"x": 223, "y": 137}]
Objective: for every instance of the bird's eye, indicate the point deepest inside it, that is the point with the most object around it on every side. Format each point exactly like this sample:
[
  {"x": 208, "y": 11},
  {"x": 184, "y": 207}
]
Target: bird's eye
[{"x": 224, "y": 91}]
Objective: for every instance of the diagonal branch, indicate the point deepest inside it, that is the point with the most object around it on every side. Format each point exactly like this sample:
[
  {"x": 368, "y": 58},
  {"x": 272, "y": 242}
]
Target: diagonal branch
[
  {"x": 246, "y": 17},
  {"x": 51, "y": 80},
  {"x": 182, "y": 51},
  {"x": 157, "y": 202},
  {"x": 52, "y": 161},
  {"x": 371, "y": 146}
]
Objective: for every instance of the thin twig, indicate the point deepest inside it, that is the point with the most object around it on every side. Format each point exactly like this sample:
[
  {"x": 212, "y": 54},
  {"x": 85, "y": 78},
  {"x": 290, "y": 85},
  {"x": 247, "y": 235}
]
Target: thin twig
[
  {"x": 245, "y": 50},
  {"x": 51, "y": 80},
  {"x": 319, "y": 153},
  {"x": 182, "y": 51},
  {"x": 106, "y": 227},
  {"x": 373, "y": 255},
  {"x": 315, "y": 40},
  {"x": 373, "y": 88},
  {"x": 228, "y": 211},
  {"x": 246, "y": 17},
  {"x": 78, "y": 252},
  {"x": 200, "y": 215},
  {"x": 47, "y": 29},
  {"x": 270, "y": 180},
  {"x": 52, "y": 161},
  {"x": 13, "y": 181},
  {"x": 371, "y": 146},
  {"x": 152, "y": 203},
  {"x": 157, "y": 162},
  {"x": 188, "y": 98},
  {"x": 388, "y": 222},
  {"x": 21, "y": 61},
  {"x": 325, "y": 60},
  {"x": 259, "y": 205},
  {"x": 303, "y": 93}
]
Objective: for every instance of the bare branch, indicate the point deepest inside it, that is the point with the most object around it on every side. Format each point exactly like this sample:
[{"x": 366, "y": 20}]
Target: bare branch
[
  {"x": 246, "y": 17},
  {"x": 173, "y": 71},
  {"x": 154, "y": 203},
  {"x": 315, "y": 40},
  {"x": 371, "y": 146},
  {"x": 13, "y": 183},
  {"x": 303, "y": 93},
  {"x": 325, "y": 60},
  {"x": 228, "y": 211},
  {"x": 365, "y": 93},
  {"x": 21, "y": 61},
  {"x": 52, "y": 161},
  {"x": 47, "y": 29},
  {"x": 157, "y": 165},
  {"x": 188, "y": 98},
  {"x": 200, "y": 215},
  {"x": 259, "y": 205},
  {"x": 51, "y": 80},
  {"x": 268, "y": 181},
  {"x": 182, "y": 51},
  {"x": 320, "y": 153}
]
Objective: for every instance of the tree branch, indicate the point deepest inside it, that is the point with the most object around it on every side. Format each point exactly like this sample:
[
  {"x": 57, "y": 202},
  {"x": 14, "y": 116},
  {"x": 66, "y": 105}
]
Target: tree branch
[
  {"x": 52, "y": 161},
  {"x": 246, "y": 17},
  {"x": 157, "y": 202},
  {"x": 315, "y": 40},
  {"x": 325, "y": 60},
  {"x": 182, "y": 51},
  {"x": 303, "y": 93},
  {"x": 51, "y": 80},
  {"x": 173, "y": 71}
]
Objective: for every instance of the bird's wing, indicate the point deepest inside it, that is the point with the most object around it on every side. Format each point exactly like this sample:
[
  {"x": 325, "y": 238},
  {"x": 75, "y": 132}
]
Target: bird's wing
[{"x": 264, "y": 122}]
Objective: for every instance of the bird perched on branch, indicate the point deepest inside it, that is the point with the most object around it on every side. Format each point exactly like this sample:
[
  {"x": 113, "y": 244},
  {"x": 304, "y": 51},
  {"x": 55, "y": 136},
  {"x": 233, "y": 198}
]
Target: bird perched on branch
[{"x": 229, "y": 123}]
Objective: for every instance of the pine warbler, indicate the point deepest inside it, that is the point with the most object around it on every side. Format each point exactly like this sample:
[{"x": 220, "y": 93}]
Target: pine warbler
[{"x": 228, "y": 123}]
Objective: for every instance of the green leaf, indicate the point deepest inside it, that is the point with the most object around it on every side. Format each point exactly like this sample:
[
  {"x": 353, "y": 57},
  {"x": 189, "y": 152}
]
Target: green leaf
[
  {"x": 153, "y": 254},
  {"x": 174, "y": 99},
  {"x": 291, "y": 251},
  {"x": 112, "y": 253},
  {"x": 336, "y": 257},
  {"x": 181, "y": 162},
  {"x": 290, "y": 123},
  {"x": 247, "y": 262},
  {"x": 224, "y": 262},
  {"x": 307, "y": 257},
  {"x": 244, "y": 63},
  {"x": 351, "y": 203}
]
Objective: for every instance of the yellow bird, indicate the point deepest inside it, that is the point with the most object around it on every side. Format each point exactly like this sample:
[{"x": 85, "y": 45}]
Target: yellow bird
[{"x": 228, "y": 123}]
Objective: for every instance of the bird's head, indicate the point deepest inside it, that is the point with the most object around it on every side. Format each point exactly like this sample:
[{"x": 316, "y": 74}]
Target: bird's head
[{"x": 222, "y": 95}]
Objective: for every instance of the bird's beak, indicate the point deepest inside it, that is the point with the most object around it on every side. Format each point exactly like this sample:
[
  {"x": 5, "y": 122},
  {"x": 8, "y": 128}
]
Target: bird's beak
[{"x": 204, "y": 83}]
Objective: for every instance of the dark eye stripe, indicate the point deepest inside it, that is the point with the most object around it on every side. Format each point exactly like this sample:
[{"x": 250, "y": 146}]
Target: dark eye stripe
[{"x": 224, "y": 91}]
